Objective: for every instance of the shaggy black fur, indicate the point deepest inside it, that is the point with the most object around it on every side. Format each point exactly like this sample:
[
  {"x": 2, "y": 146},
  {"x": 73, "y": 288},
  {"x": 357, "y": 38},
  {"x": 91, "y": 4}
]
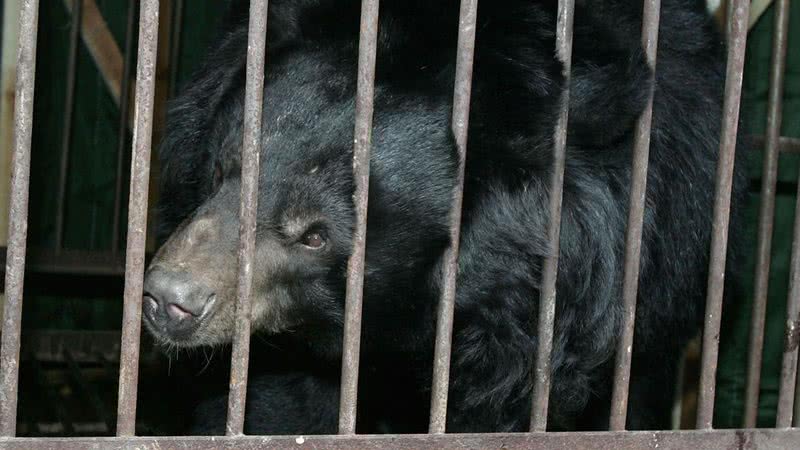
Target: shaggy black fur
[{"x": 306, "y": 172}]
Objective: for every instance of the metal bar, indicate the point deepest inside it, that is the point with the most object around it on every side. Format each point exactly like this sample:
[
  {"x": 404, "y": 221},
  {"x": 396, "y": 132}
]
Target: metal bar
[
  {"x": 737, "y": 38},
  {"x": 248, "y": 212},
  {"x": 137, "y": 218},
  {"x": 444, "y": 319},
  {"x": 769, "y": 180},
  {"x": 175, "y": 46},
  {"x": 547, "y": 296},
  {"x": 84, "y": 347},
  {"x": 123, "y": 123},
  {"x": 706, "y": 440},
  {"x": 792, "y": 337},
  {"x": 365, "y": 91},
  {"x": 18, "y": 216},
  {"x": 69, "y": 108},
  {"x": 786, "y": 144},
  {"x": 651, "y": 13},
  {"x": 75, "y": 262},
  {"x": 796, "y": 416}
]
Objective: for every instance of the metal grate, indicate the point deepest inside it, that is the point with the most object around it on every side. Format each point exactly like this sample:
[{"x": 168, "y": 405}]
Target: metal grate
[{"x": 704, "y": 437}]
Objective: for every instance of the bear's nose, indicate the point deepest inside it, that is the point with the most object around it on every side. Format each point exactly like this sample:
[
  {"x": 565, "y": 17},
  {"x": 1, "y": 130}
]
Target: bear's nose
[{"x": 174, "y": 298}]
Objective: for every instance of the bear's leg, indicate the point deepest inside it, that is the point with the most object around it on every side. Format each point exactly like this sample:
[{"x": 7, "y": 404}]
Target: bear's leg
[{"x": 277, "y": 404}]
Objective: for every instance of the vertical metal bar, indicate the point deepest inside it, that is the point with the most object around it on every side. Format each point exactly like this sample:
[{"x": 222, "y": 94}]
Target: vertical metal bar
[
  {"x": 123, "y": 123},
  {"x": 651, "y": 13},
  {"x": 69, "y": 108},
  {"x": 766, "y": 212},
  {"x": 365, "y": 91},
  {"x": 444, "y": 320},
  {"x": 18, "y": 216},
  {"x": 792, "y": 337},
  {"x": 137, "y": 218},
  {"x": 248, "y": 212},
  {"x": 796, "y": 416},
  {"x": 175, "y": 42},
  {"x": 719, "y": 239},
  {"x": 547, "y": 295}
]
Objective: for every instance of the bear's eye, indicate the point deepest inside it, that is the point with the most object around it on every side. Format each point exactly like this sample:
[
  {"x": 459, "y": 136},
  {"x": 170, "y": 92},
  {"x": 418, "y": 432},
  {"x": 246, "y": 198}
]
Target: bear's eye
[
  {"x": 217, "y": 178},
  {"x": 313, "y": 240}
]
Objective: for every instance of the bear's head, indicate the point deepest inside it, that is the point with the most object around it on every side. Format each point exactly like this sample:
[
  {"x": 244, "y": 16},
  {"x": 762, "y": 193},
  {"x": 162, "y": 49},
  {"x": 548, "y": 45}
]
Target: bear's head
[{"x": 305, "y": 217}]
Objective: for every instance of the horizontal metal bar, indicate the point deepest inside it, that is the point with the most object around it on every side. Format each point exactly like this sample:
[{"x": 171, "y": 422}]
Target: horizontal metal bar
[
  {"x": 85, "y": 347},
  {"x": 72, "y": 262},
  {"x": 786, "y": 144},
  {"x": 706, "y": 440}
]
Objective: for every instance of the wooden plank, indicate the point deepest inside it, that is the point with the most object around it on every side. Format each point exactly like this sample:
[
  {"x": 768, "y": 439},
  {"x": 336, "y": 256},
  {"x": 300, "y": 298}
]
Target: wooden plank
[{"x": 101, "y": 45}]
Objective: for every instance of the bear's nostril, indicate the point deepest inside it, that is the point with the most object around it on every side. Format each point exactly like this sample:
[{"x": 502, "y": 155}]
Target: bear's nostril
[
  {"x": 151, "y": 302},
  {"x": 176, "y": 312}
]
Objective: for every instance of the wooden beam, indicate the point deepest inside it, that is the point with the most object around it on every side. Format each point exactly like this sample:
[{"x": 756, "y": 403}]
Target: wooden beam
[
  {"x": 101, "y": 45},
  {"x": 757, "y": 9}
]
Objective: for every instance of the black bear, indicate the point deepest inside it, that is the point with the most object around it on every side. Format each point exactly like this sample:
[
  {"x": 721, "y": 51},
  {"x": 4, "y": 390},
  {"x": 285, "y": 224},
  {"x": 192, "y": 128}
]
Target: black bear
[{"x": 306, "y": 218}]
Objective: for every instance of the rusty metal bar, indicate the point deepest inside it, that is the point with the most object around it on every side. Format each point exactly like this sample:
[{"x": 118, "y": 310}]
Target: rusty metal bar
[
  {"x": 737, "y": 38},
  {"x": 651, "y": 13},
  {"x": 547, "y": 295},
  {"x": 18, "y": 216},
  {"x": 460, "y": 125},
  {"x": 137, "y": 218},
  {"x": 789, "y": 144},
  {"x": 68, "y": 261},
  {"x": 792, "y": 337},
  {"x": 786, "y": 144},
  {"x": 51, "y": 346},
  {"x": 796, "y": 416},
  {"x": 248, "y": 212},
  {"x": 69, "y": 109},
  {"x": 769, "y": 180},
  {"x": 365, "y": 91},
  {"x": 706, "y": 440},
  {"x": 124, "y": 101}
]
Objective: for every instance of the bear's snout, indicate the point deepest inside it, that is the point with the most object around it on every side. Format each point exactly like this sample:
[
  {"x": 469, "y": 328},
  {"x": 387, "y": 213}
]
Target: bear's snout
[{"x": 175, "y": 302}]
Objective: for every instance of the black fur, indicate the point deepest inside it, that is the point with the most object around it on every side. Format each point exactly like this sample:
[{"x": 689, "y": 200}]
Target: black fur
[{"x": 308, "y": 122}]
